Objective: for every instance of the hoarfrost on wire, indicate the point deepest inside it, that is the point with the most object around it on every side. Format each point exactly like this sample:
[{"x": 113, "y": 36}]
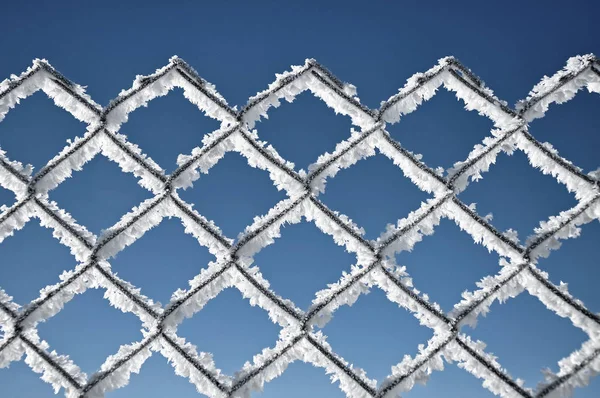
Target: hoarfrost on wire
[{"x": 234, "y": 259}]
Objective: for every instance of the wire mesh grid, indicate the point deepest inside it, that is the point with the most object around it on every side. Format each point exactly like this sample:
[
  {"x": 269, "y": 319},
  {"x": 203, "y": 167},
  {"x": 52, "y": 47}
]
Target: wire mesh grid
[{"x": 299, "y": 338}]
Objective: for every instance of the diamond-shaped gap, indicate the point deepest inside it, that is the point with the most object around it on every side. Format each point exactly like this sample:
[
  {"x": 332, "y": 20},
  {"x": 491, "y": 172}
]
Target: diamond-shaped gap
[
  {"x": 30, "y": 260},
  {"x": 375, "y": 334},
  {"x": 518, "y": 195},
  {"x": 304, "y": 129},
  {"x": 451, "y": 382},
  {"x": 441, "y": 130},
  {"x": 373, "y": 193},
  {"x": 36, "y": 130},
  {"x": 163, "y": 260},
  {"x": 302, "y": 262},
  {"x": 572, "y": 129},
  {"x": 447, "y": 263},
  {"x": 157, "y": 378},
  {"x": 231, "y": 329},
  {"x": 301, "y": 380},
  {"x": 19, "y": 381},
  {"x": 89, "y": 329},
  {"x": 167, "y": 127},
  {"x": 576, "y": 264},
  {"x": 233, "y": 193},
  {"x": 100, "y": 194},
  {"x": 527, "y": 337}
]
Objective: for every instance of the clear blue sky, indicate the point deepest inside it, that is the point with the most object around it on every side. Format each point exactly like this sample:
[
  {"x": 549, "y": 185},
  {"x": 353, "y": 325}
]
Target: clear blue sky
[{"x": 239, "y": 46}]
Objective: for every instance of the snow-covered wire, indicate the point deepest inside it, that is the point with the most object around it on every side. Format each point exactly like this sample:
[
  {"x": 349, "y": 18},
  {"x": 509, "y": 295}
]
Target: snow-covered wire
[{"x": 299, "y": 339}]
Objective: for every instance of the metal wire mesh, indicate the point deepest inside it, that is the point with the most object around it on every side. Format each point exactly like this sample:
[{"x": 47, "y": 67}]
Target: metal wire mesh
[{"x": 299, "y": 339}]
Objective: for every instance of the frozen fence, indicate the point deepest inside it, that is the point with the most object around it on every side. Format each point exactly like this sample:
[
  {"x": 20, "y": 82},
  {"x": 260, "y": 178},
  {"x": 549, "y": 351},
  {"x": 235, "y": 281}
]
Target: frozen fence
[{"x": 299, "y": 340}]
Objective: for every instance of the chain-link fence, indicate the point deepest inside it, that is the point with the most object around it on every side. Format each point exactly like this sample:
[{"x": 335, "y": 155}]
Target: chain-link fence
[{"x": 375, "y": 266}]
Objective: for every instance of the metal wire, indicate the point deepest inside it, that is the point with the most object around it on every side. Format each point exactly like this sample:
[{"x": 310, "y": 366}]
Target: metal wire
[{"x": 19, "y": 327}]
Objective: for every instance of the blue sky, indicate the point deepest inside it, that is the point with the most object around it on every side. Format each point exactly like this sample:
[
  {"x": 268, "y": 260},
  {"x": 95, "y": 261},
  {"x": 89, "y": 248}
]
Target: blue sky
[{"x": 239, "y": 46}]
